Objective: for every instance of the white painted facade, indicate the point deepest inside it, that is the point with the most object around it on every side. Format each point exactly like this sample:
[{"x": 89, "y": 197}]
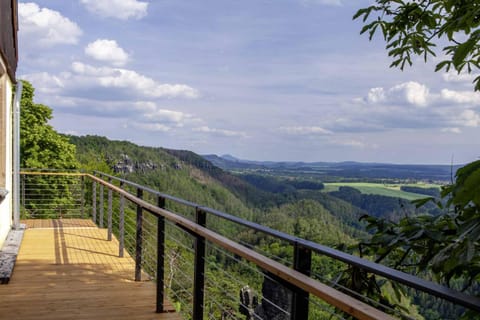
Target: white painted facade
[{"x": 6, "y": 205}]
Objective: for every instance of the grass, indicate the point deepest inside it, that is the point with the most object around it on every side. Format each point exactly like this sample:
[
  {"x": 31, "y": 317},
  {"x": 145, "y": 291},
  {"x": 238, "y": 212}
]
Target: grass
[{"x": 389, "y": 190}]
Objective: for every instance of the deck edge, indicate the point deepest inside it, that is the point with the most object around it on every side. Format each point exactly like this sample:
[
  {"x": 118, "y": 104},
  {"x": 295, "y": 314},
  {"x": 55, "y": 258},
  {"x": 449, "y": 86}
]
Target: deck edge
[{"x": 9, "y": 253}]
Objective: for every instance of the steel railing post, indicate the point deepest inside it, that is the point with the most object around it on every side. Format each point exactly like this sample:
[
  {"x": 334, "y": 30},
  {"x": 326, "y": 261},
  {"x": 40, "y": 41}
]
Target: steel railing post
[
  {"x": 160, "y": 257},
  {"x": 138, "y": 246},
  {"x": 94, "y": 202},
  {"x": 199, "y": 272},
  {"x": 302, "y": 262},
  {"x": 109, "y": 218},
  {"x": 121, "y": 224},
  {"x": 82, "y": 197},
  {"x": 101, "y": 207}
]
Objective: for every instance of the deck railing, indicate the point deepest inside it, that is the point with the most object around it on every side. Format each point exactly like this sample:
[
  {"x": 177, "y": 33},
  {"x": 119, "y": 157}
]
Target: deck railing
[
  {"x": 51, "y": 194},
  {"x": 172, "y": 240}
]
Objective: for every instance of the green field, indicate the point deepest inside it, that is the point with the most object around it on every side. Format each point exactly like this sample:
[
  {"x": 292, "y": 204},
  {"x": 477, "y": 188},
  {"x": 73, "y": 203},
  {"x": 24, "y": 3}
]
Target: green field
[{"x": 389, "y": 190}]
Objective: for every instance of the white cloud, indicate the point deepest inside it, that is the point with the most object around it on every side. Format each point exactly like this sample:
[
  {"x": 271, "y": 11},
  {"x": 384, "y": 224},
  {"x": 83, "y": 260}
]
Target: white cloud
[
  {"x": 459, "y": 78},
  {"x": 376, "y": 95},
  {"x": 154, "y": 127},
  {"x": 220, "y": 132},
  {"x": 415, "y": 93},
  {"x": 299, "y": 130},
  {"x": 152, "y": 113},
  {"x": 119, "y": 9},
  {"x": 72, "y": 132},
  {"x": 461, "y": 97},
  {"x": 87, "y": 70},
  {"x": 107, "y": 51},
  {"x": 128, "y": 79},
  {"x": 114, "y": 93},
  {"x": 412, "y": 93},
  {"x": 45, "y": 27},
  {"x": 166, "y": 116},
  {"x": 408, "y": 105},
  {"x": 469, "y": 118},
  {"x": 145, "y": 106},
  {"x": 44, "y": 82}
]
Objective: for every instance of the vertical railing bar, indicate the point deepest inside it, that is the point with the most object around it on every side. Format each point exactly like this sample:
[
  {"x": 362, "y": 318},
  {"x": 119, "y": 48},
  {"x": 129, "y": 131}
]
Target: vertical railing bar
[
  {"x": 56, "y": 181},
  {"x": 94, "y": 202},
  {"x": 199, "y": 272},
  {"x": 101, "y": 207},
  {"x": 23, "y": 189},
  {"x": 302, "y": 262},
  {"x": 121, "y": 224},
  {"x": 160, "y": 257},
  {"x": 109, "y": 218},
  {"x": 82, "y": 199},
  {"x": 138, "y": 245}
]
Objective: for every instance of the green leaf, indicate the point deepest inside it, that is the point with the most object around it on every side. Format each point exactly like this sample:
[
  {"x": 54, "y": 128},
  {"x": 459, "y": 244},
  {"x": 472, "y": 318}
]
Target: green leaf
[
  {"x": 442, "y": 65},
  {"x": 421, "y": 202},
  {"x": 462, "y": 51},
  {"x": 359, "y": 13}
]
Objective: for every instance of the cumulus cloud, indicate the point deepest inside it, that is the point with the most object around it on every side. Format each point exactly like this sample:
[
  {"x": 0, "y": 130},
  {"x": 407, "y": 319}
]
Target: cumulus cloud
[
  {"x": 461, "y": 97},
  {"x": 376, "y": 95},
  {"x": 408, "y": 105},
  {"x": 130, "y": 80},
  {"x": 468, "y": 118},
  {"x": 305, "y": 130},
  {"x": 146, "y": 115},
  {"x": 459, "y": 77},
  {"x": 112, "y": 92},
  {"x": 220, "y": 132},
  {"x": 45, "y": 82},
  {"x": 154, "y": 127},
  {"x": 412, "y": 93},
  {"x": 119, "y": 9},
  {"x": 45, "y": 27},
  {"x": 163, "y": 116},
  {"x": 107, "y": 51}
]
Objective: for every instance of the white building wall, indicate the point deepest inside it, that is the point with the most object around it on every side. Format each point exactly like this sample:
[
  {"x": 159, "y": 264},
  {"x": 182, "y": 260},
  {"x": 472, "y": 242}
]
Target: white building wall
[{"x": 6, "y": 206}]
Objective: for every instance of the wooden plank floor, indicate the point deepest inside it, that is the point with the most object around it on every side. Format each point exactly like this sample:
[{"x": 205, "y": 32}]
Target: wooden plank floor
[{"x": 68, "y": 270}]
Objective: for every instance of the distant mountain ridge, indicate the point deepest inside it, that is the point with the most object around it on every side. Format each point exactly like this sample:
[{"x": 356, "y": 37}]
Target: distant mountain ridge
[{"x": 347, "y": 169}]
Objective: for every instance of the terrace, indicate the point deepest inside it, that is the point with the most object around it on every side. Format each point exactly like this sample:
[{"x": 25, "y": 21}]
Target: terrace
[
  {"x": 97, "y": 246},
  {"x": 66, "y": 269}
]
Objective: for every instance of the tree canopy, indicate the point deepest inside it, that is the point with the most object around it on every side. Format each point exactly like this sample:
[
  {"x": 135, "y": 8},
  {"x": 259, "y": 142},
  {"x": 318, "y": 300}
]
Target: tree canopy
[
  {"x": 420, "y": 27},
  {"x": 446, "y": 246},
  {"x": 41, "y": 146}
]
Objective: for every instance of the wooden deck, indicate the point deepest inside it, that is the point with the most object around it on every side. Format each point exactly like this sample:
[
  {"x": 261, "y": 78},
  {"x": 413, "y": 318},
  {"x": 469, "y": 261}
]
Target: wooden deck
[{"x": 66, "y": 269}]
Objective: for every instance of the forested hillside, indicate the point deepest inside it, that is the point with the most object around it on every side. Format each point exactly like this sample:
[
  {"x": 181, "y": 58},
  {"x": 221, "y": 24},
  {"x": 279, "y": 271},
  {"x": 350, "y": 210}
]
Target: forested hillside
[{"x": 186, "y": 175}]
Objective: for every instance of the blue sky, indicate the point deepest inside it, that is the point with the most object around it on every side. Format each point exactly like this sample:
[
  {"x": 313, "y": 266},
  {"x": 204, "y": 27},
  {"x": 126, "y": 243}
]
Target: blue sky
[{"x": 258, "y": 79}]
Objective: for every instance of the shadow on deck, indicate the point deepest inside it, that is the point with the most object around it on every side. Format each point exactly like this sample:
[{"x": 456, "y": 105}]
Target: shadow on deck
[{"x": 66, "y": 269}]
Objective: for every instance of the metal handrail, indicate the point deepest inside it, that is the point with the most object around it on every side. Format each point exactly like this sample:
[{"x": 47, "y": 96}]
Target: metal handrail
[
  {"x": 412, "y": 281},
  {"x": 332, "y": 296}
]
